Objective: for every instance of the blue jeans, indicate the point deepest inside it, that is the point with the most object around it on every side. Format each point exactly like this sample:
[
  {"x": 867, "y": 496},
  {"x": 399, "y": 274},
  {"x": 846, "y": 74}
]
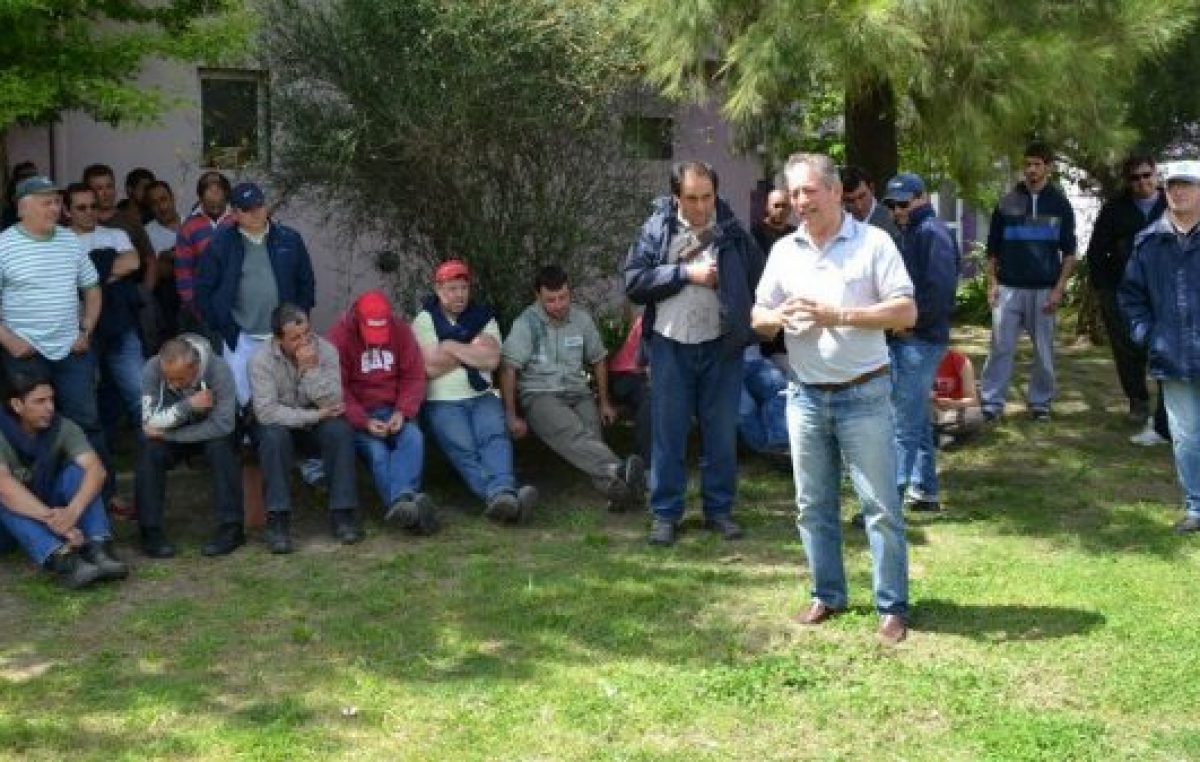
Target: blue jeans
[
  {"x": 914, "y": 366},
  {"x": 473, "y": 435},
  {"x": 702, "y": 382},
  {"x": 396, "y": 461},
  {"x": 855, "y": 426},
  {"x": 762, "y": 411},
  {"x": 1183, "y": 415},
  {"x": 36, "y": 538}
]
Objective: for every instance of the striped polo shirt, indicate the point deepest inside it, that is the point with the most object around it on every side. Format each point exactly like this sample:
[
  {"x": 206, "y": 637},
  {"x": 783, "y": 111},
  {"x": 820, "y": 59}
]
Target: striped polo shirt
[{"x": 40, "y": 281}]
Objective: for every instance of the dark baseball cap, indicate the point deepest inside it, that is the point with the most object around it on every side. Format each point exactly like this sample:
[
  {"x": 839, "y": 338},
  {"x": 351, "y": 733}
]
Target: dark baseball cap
[
  {"x": 35, "y": 185},
  {"x": 246, "y": 196}
]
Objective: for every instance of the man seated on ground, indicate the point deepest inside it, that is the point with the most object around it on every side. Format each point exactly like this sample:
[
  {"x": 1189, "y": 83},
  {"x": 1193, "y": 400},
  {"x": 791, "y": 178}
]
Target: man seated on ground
[
  {"x": 296, "y": 388},
  {"x": 762, "y": 410},
  {"x": 189, "y": 405},
  {"x": 460, "y": 344},
  {"x": 544, "y": 364},
  {"x": 383, "y": 384},
  {"x": 50, "y": 482},
  {"x": 956, "y": 411}
]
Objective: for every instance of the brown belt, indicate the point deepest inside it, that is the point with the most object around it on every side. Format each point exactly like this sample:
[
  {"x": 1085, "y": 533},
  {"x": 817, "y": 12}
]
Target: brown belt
[{"x": 882, "y": 370}]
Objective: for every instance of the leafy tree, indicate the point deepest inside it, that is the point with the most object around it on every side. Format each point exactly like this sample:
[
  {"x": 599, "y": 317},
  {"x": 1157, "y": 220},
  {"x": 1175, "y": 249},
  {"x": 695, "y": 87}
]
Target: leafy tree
[
  {"x": 58, "y": 55},
  {"x": 961, "y": 82},
  {"x": 479, "y": 130}
]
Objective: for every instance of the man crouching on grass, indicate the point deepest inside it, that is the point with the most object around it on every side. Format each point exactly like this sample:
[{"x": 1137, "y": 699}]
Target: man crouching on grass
[{"x": 50, "y": 482}]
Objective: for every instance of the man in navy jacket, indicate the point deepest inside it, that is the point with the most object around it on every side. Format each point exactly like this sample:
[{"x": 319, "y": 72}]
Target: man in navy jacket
[
  {"x": 1160, "y": 297},
  {"x": 250, "y": 269},
  {"x": 694, "y": 267}
]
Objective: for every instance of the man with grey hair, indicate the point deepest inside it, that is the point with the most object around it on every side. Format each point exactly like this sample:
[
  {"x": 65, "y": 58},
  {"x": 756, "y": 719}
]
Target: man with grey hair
[{"x": 834, "y": 288}]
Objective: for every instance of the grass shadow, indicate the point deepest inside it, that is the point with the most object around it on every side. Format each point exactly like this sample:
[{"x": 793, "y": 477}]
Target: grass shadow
[{"x": 1000, "y": 623}]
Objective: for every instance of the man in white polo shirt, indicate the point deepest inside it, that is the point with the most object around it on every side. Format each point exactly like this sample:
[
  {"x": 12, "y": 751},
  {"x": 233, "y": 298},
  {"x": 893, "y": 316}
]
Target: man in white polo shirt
[
  {"x": 835, "y": 287},
  {"x": 43, "y": 272}
]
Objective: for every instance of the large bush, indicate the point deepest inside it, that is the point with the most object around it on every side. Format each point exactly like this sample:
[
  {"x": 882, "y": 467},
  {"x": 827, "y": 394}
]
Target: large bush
[{"x": 481, "y": 130}]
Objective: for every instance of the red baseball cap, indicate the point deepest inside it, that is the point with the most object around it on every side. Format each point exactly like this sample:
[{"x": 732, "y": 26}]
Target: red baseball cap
[
  {"x": 374, "y": 313},
  {"x": 452, "y": 269}
]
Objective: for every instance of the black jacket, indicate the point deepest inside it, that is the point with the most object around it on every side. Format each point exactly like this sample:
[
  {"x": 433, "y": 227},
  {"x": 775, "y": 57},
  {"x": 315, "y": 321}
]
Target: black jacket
[{"x": 1111, "y": 244}]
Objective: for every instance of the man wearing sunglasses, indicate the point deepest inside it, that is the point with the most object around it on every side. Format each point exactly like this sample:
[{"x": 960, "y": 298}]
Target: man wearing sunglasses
[
  {"x": 1108, "y": 252},
  {"x": 1030, "y": 258}
]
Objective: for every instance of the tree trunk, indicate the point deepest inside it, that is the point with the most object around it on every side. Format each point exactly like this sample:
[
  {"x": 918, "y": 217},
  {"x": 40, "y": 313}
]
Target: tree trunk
[{"x": 871, "y": 130}]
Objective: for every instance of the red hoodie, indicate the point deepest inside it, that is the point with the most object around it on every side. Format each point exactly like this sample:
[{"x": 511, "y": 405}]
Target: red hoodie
[{"x": 390, "y": 376}]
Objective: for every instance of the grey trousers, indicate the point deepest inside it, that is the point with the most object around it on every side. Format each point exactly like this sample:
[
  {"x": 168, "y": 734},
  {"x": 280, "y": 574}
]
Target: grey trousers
[
  {"x": 1019, "y": 310},
  {"x": 570, "y": 425}
]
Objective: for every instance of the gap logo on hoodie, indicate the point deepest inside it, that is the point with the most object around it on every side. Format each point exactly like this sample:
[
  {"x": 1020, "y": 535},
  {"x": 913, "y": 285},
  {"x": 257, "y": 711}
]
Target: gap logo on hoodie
[{"x": 375, "y": 359}]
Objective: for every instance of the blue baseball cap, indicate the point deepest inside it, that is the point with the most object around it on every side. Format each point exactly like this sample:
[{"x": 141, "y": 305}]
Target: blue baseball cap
[
  {"x": 35, "y": 185},
  {"x": 903, "y": 187},
  {"x": 246, "y": 196}
]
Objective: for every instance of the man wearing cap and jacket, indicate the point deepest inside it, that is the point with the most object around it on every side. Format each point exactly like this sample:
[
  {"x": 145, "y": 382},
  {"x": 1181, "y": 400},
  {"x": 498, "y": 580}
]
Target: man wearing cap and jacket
[
  {"x": 1158, "y": 296},
  {"x": 383, "y": 385},
  {"x": 248, "y": 270},
  {"x": 43, "y": 272},
  {"x": 931, "y": 261}
]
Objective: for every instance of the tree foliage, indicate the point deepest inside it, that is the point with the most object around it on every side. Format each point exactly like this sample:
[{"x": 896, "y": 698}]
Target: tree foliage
[
  {"x": 58, "y": 55},
  {"x": 972, "y": 81},
  {"x": 480, "y": 130}
]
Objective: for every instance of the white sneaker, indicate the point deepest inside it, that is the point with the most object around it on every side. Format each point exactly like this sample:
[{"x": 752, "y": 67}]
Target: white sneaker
[{"x": 1148, "y": 437}]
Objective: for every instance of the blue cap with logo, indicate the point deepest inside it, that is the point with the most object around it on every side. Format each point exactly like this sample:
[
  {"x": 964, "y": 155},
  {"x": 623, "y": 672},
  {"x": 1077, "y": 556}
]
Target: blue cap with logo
[
  {"x": 246, "y": 196},
  {"x": 904, "y": 186},
  {"x": 34, "y": 185}
]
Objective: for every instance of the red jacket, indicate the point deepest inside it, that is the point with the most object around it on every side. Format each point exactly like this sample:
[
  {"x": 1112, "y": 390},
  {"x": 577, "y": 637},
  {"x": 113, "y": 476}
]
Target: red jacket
[{"x": 391, "y": 376}]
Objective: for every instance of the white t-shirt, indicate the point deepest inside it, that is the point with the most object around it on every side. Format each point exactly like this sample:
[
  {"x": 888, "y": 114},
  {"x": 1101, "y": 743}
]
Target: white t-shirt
[
  {"x": 161, "y": 238},
  {"x": 858, "y": 268},
  {"x": 105, "y": 238}
]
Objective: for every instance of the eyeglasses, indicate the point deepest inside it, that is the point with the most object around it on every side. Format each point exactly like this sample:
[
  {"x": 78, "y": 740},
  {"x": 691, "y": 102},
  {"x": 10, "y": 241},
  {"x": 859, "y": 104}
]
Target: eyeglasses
[
  {"x": 890, "y": 204},
  {"x": 1135, "y": 176},
  {"x": 779, "y": 206},
  {"x": 85, "y": 207}
]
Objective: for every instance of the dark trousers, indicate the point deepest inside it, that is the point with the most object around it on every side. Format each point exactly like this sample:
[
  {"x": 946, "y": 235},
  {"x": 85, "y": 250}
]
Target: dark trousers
[
  {"x": 1129, "y": 358},
  {"x": 332, "y": 438},
  {"x": 156, "y": 457},
  {"x": 631, "y": 391}
]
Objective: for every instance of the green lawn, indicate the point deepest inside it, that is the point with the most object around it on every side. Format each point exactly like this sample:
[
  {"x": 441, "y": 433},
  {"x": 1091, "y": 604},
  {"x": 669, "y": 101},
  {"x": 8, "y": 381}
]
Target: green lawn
[{"x": 1052, "y": 620}]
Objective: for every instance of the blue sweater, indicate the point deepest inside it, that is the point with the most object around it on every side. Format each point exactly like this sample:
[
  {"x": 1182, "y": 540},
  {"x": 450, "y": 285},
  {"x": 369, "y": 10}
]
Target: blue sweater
[
  {"x": 650, "y": 278},
  {"x": 1160, "y": 298},
  {"x": 221, "y": 270},
  {"x": 1029, "y": 249},
  {"x": 931, "y": 259}
]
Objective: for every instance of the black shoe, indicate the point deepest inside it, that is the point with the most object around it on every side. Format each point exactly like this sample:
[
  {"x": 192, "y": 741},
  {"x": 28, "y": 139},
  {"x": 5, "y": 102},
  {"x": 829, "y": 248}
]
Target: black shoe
[
  {"x": 925, "y": 506},
  {"x": 1187, "y": 525},
  {"x": 416, "y": 514},
  {"x": 155, "y": 543},
  {"x": 229, "y": 537},
  {"x": 992, "y": 416},
  {"x": 504, "y": 508},
  {"x": 858, "y": 520},
  {"x": 278, "y": 532},
  {"x": 1039, "y": 415},
  {"x": 345, "y": 527},
  {"x": 662, "y": 532},
  {"x": 72, "y": 570},
  {"x": 724, "y": 526},
  {"x": 99, "y": 554}
]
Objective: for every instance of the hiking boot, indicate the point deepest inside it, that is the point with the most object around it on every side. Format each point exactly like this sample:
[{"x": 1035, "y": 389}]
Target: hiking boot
[
  {"x": 155, "y": 544},
  {"x": 278, "y": 534},
  {"x": 724, "y": 526},
  {"x": 503, "y": 508},
  {"x": 527, "y": 498},
  {"x": 662, "y": 532},
  {"x": 416, "y": 514},
  {"x": 99, "y": 554},
  {"x": 345, "y": 527},
  {"x": 229, "y": 537},
  {"x": 72, "y": 570},
  {"x": 1187, "y": 525}
]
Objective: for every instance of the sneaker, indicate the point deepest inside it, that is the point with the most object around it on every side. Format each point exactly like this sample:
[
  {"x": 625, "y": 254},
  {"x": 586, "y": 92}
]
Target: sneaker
[
  {"x": 662, "y": 532},
  {"x": 1039, "y": 415},
  {"x": 1148, "y": 437},
  {"x": 504, "y": 508},
  {"x": 278, "y": 533},
  {"x": 1187, "y": 525},
  {"x": 155, "y": 544},
  {"x": 527, "y": 498},
  {"x": 415, "y": 513},
  {"x": 229, "y": 537},
  {"x": 72, "y": 570},
  {"x": 345, "y": 527},
  {"x": 724, "y": 526},
  {"x": 99, "y": 554}
]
